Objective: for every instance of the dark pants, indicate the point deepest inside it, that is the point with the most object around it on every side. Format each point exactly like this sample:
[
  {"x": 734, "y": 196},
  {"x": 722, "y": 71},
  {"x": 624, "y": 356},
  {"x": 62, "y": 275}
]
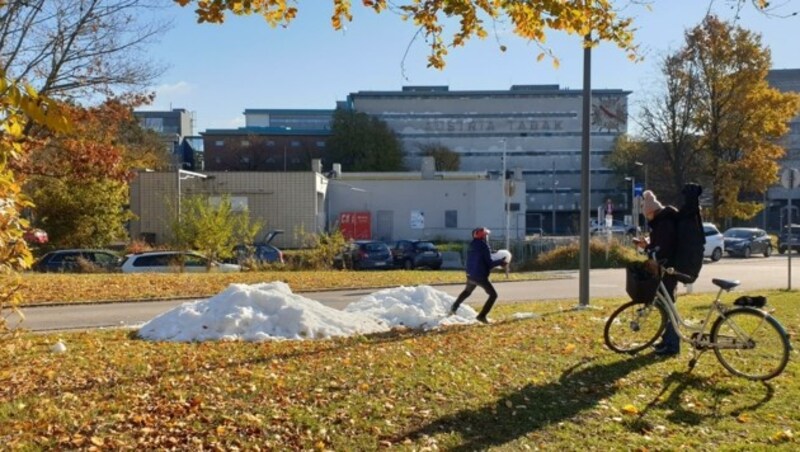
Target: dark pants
[
  {"x": 670, "y": 338},
  {"x": 471, "y": 285}
]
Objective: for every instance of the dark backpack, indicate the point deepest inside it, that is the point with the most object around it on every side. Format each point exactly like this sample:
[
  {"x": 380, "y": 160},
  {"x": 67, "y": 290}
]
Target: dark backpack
[{"x": 691, "y": 238}]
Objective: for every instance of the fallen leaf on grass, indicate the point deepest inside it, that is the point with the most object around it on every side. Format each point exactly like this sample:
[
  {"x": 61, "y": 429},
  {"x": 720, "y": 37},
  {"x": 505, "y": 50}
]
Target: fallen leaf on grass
[
  {"x": 783, "y": 436},
  {"x": 570, "y": 348},
  {"x": 630, "y": 409}
]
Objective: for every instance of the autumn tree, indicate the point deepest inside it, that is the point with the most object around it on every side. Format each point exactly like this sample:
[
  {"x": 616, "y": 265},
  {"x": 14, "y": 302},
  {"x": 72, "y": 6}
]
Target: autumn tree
[
  {"x": 18, "y": 106},
  {"x": 214, "y": 229},
  {"x": 529, "y": 20},
  {"x": 361, "y": 142},
  {"x": 668, "y": 128},
  {"x": 78, "y": 180},
  {"x": 69, "y": 49},
  {"x": 446, "y": 159},
  {"x": 737, "y": 116}
]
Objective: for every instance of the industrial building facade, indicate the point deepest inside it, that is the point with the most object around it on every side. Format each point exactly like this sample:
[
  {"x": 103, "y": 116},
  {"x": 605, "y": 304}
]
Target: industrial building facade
[
  {"x": 776, "y": 213},
  {"x": 537, "y": 127}
]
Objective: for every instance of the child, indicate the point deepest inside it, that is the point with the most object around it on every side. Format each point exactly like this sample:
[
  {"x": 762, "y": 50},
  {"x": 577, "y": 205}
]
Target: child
[{"x": 479, "y": 264}]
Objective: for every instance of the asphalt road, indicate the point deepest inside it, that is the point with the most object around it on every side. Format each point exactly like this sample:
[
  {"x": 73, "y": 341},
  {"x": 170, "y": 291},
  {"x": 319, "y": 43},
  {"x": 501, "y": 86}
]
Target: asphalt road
[{"x": 755, "y": 273}]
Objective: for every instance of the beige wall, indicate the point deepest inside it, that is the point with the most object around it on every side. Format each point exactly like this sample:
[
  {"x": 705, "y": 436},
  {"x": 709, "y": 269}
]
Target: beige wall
[{"x": 291, "y": 201}]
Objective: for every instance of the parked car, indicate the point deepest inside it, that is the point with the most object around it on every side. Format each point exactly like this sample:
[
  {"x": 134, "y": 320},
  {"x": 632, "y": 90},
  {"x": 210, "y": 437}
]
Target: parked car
[
  {"x": 617, "y": 227},
  {"x": 785, "y": 244},
  {"x": 410, "y": 254},
  {"x": 261, "y": 252},
  {"x": 715, "y": 242},
  {"x": 745, "y": 242},
  {"x": 365, "y": 254},
  {"x": 173, "y": 261},
  {"x": 69, "y": 260}
]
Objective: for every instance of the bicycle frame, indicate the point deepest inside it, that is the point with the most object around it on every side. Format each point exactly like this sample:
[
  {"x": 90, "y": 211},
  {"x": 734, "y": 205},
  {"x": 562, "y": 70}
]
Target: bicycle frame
[{"x": 681, "y": 326}]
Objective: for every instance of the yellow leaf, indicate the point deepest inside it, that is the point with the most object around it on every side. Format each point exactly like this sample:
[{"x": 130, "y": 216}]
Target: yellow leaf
[
  {"x": 570, "y": 348},
  {"x": 743, "y": 418},
  {"x": 556, "y": 63},
  {"x": 540, "y": 57},
  {"x": 97, "y": 441},
  {"x": 220, "y": 430},
  {"x": 630, "y": 409}
]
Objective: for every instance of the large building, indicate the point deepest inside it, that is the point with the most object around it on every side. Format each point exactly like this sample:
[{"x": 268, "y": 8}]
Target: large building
[
  {"x": 787, "y": 80},
  {"x": 537, "y": 127},
  {"x": 172, "y": 126},
  {"x": 271, "y": 140}
]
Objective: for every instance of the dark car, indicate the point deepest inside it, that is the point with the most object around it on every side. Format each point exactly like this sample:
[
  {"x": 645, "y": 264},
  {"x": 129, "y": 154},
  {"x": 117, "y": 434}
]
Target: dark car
[
  {"x": 365, "y": 254},
  {"x": 745, "y": 242},
  {"x": 77, "y": 260},
  {"x": 784, "y": 243},
  {"x": 261, "y": 252},
  {"x": 410, "y": 254}
]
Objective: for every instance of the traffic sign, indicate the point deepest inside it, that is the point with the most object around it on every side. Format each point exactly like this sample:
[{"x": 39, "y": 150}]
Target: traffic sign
[
  {"x": 790, "y": 178},
  {"x": 638, "y": 190}
]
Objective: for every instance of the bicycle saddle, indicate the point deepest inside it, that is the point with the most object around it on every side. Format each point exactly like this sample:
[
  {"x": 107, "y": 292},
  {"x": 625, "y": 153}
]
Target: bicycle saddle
[{"x": 725, "y": 284}]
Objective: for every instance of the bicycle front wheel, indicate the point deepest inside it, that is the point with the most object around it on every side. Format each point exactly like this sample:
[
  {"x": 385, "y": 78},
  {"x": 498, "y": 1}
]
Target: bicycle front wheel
[
  {"x": 750, "y": 343},
  {"x": 634, "y": 326}
]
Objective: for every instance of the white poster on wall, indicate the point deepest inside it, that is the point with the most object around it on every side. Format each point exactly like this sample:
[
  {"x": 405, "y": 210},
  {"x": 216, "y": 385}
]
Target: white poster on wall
[{"x": 417, "y": 219}]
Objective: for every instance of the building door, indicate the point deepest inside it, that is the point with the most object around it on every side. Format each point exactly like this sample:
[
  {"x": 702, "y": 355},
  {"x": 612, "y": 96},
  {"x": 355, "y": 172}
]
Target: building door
[{"x": 384, "y": 225}]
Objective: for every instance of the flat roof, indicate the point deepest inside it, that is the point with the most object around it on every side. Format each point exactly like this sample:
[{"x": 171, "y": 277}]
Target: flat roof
[{"x": 267, "y": 131}]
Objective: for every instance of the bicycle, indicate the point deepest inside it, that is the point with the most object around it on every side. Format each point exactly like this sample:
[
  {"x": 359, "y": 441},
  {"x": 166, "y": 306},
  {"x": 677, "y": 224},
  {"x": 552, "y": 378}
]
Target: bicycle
[{"x": 747, "y": 340}]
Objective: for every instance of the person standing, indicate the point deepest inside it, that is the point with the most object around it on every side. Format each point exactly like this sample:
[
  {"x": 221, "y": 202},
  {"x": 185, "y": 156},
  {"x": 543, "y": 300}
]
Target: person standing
[
  {"x": 479, "y": 264},
  {"x": 664, "y": 240}
]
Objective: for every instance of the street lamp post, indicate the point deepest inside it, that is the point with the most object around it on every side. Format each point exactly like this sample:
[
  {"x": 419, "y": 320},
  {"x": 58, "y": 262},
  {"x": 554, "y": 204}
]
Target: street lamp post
[
  {"x": 640, "y": 164},
  {"x": 505, "y": 194},
  {"x": 634, "y": 214},
  {"x": 184, "y": 175},
  {"x": 554, "y": 183}
]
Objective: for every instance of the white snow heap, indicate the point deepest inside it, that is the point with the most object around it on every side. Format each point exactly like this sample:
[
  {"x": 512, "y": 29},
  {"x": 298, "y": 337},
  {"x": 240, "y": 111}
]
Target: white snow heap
[
  {"x": 414, "y": 307},
  {"x": 270, "y": 311}
]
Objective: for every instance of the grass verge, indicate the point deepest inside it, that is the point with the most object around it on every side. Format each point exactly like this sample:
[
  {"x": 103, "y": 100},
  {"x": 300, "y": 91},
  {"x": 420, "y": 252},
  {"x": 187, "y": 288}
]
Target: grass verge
[
  {"x": 545, "y": 382},
  {"x": 75, "y": 288}
]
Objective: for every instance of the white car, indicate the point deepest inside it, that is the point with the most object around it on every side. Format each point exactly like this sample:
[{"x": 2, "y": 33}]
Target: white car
[
  {"x": 173, "y": 261},
  {"x": 715, "y": 242}
]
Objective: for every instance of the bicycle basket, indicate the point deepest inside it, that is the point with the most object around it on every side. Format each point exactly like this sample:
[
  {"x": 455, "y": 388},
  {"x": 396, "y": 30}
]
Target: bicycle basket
[{"x": 640, "y": 284}]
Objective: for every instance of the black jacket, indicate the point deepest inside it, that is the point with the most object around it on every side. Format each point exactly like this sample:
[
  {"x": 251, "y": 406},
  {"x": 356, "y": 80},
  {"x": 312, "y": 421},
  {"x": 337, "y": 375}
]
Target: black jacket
[
  {"x": 479, "y": 260},
  {"x": 664, "y": 234}
]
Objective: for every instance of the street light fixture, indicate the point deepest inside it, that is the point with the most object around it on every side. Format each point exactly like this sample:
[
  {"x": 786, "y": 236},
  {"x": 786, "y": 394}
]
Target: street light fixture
[{"x": 184, "y": 175}]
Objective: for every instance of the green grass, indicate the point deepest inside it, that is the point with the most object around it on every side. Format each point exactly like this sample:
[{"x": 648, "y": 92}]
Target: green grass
[{"x": 546, "y": 383}]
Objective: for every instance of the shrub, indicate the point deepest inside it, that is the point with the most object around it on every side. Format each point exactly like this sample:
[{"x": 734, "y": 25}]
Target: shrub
[{"x": 565, "y": 257}]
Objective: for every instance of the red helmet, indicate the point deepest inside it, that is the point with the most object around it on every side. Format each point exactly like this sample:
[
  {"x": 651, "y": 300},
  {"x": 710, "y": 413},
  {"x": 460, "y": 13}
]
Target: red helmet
[{"x": 480, "y": 233}]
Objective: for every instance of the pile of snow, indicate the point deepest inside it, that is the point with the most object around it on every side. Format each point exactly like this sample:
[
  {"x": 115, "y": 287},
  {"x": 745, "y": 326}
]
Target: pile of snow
[{"x": 270, "y": 311}]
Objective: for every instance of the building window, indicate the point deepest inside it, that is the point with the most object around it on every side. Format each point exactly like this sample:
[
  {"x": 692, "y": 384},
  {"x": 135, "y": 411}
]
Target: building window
[
  {"x": 320, "y": 144},
  {"x": 219, "y": 143},
  {"x": 245, "y": 143},
  {"x": 218, "y": 160},
  {"x": 451, "y": 219},
  {"x": 245, "y": 160},
  {"x": 295, "y": 144},
  {"x": 270, "y": 143}
]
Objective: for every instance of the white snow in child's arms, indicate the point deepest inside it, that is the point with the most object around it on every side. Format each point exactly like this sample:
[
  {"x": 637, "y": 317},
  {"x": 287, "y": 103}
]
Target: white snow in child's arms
[{"x": 500, "y": 254}]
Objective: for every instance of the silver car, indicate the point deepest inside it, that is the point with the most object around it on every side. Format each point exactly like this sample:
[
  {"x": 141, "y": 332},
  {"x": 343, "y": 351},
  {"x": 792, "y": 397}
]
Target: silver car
[
  {"x": 715, "y": 242},
  {"x": 174, "y": 261}
]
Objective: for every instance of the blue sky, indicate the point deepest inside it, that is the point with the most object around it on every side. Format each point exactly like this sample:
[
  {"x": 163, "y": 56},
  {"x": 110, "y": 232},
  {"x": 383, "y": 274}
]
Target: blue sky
[{"x": 217, "y": 71}]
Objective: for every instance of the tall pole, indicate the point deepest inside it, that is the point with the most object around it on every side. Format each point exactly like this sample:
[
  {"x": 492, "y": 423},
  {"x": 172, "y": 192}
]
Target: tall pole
[
  {"x": 506, "y": 194},
  {"x": 179, "y": 196},
  {"x": 586, "y": 192},
  {"x": 554, "y": 197}
]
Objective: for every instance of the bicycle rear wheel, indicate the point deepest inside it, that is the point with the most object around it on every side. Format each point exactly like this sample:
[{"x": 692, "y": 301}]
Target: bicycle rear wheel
[
  {"x": 634, "y": 326},
  {"x": 750, "y": 343}
]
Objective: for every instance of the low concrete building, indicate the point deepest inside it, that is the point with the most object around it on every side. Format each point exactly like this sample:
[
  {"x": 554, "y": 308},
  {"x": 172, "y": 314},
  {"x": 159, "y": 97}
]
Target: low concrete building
[
  {"x": 429, "y": 205},
  {"x": 291, "y": 201},
  {"x": 410, "y": 205}
]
